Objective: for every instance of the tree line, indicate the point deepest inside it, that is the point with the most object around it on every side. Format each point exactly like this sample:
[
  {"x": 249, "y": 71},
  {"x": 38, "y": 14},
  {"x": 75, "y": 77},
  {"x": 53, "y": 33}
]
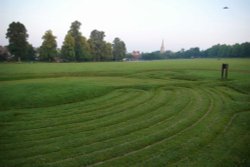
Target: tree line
[
  {"x": 217, "y": 51},
  {"x": 75, "y": 46}
]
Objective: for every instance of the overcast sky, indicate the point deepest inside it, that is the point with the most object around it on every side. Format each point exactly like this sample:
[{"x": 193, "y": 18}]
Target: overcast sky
[{"x": 141, "y": 24}]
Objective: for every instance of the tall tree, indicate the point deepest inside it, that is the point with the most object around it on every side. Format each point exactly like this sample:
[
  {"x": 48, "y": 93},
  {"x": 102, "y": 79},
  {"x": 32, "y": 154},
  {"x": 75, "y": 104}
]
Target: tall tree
[
  {"x": 108, "y": 51},
  {"x": 236, "y": 50},
  {"x": 97, "y": 45},
  {"x": 245, "y": 49},
  {"x": 17, "y": 35},
  {"x": 86, "y": 56},
  {"x": 48, "y": 49},
  {"x": 68, "y": 48},
  {"x": 81, "y": 45},
  {"x": 31, "y": 53},
  {"x": 119, "y": 49}
]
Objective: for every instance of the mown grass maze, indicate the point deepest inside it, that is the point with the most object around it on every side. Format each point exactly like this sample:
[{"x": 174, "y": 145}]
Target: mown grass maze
[{"x": 160, "y": 113}]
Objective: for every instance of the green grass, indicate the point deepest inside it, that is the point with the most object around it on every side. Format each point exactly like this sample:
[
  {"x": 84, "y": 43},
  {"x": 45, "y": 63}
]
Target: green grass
[{"x": 159, "y": 113}]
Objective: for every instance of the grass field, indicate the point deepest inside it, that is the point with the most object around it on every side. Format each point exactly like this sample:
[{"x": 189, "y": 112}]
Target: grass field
[{"x": 159, "y": 113}]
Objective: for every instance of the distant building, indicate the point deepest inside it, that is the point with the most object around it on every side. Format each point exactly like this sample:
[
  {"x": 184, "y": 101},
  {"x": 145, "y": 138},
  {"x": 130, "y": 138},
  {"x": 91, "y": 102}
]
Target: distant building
[
  {"x": 136, "y": 55},
  {"x": 162, "y": 50}
]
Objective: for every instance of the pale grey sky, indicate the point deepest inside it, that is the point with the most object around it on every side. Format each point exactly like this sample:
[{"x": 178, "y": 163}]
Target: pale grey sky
[{"x": 142, "y": 24}]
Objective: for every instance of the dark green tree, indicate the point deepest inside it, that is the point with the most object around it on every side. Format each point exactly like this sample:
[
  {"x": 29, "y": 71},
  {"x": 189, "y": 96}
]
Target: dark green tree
[
  {"x": 68, "y": 48},
  {"x": 236, "y": 50},
  {"x": 245, "y": 49},
  {"x": 218, "y": 51},
  {"x": 48, "y": 49},
  {"x": 97, "y": 45},
  {"x": 81, "y": 45},
  {"x": 18, "y": 45},
  {"x": 108, "y": 56},
  {"x": 191, "y": 53},
  {"x": 31, "y": 53},
  {"x": 86, "y": 56},
  {"x": 119, "y": 49}
]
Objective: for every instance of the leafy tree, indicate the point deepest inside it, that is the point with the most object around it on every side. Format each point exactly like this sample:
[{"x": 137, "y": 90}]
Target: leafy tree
[
  {"x": 236, "y": 50},
  {"x": 245, "y": 49},
  {"x": 152, "y": 56},
  {"x": 48, "y": 49},
  {"x": 85, "y": 49},
  {"x": 81, "y": 46},
  {"x": 213, "y": 51},
  {"x": 168, "y": 54},
  {"x": 31, "y": 53},
  {"x": 97, "y": 45},
  {"x": 17, "y": 35},
  {"x": 119, "y": 49},
  {"x": 108, "y": 51},
  {"x": 68, "y": 48},
  {"x": 192, "y": 53},
  {"x": 223, "y": 51}
]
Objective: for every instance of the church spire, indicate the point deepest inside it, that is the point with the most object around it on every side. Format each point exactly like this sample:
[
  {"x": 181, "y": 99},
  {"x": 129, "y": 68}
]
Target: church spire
[{"x": 162, "y": 47}]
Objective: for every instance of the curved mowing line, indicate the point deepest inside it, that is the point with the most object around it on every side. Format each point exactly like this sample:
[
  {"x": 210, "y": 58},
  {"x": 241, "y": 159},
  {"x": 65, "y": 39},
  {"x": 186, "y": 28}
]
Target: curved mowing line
[
  {"x": 129, "y": 152},
  {"x": 232, "y": 119},
  {"x": 82, "y": 111},
  {"x": 87, "y": 107},
  {"x": 216, "y": 133},
  {"x": 154, "y": 156},
  {"x": 108, "y": 120},
  {"x": 92, "y": 143},
  {"x": 98, "y": 127},
  {"x": 160, "y": 141},
  {"x": 114, "y": 138},
  {"x": 80, "y": 122},
  {"x": 228, "y": 96},
  {"x": 212, "y": 141},
  {"x": 54, "y": 110},
  {"x": 107, "y": 109},
  {"x": 99, "y": 151}
]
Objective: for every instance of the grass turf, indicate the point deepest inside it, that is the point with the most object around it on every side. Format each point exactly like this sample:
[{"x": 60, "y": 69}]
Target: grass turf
[{"x": 159, "y": 113}]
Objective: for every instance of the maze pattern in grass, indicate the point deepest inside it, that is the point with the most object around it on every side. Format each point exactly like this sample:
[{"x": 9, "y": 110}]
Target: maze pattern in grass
[{"x": 179, "y": 123}]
